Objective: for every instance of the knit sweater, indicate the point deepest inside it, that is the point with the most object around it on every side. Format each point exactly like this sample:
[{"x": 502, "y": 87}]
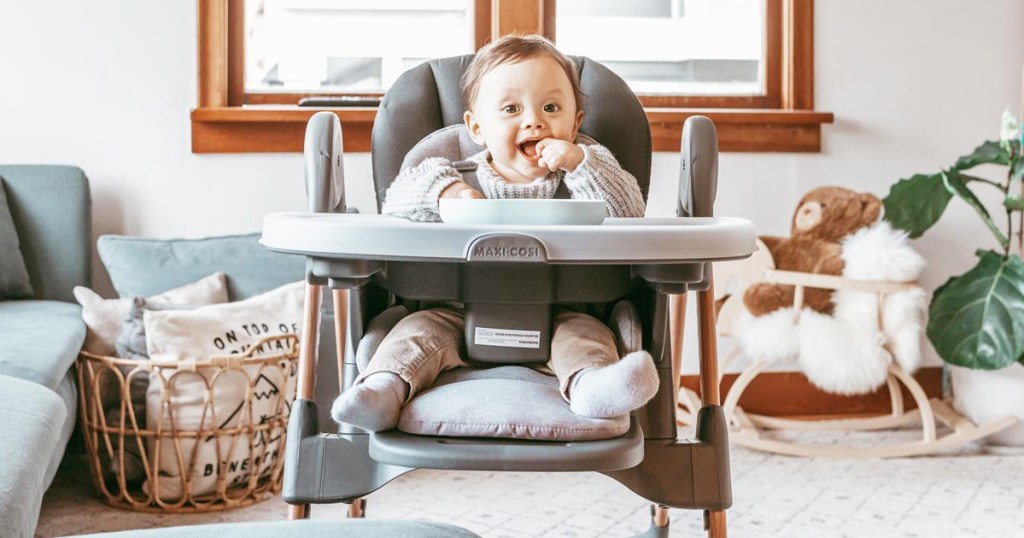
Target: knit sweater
[{"x": 414, "y": 193}]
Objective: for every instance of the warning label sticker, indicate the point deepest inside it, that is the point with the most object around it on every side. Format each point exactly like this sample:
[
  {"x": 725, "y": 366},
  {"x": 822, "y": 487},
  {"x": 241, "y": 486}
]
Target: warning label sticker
[{"x": 506, "y": 338}]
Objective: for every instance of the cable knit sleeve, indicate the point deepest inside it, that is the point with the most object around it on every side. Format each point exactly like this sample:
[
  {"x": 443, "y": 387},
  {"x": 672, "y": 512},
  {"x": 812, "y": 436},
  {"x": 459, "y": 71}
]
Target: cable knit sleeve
[
  {"x": 599, "y": 177},
  {"x": 414, "y": 193}
]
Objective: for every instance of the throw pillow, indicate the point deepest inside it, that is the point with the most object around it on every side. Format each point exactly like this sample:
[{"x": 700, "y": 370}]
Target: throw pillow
[
  {"x": 131, "y": 344},
  {"x": 14, "y": 280},
  {"x": 144, "y": 266},
  {"x": 104, "y": 317},
  {"x": 177, "y": 397}
]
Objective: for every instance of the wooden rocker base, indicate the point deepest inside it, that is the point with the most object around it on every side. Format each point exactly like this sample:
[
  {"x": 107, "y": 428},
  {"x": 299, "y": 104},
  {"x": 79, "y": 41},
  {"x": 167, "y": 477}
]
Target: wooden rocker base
[{"x": 748, "y": 429}]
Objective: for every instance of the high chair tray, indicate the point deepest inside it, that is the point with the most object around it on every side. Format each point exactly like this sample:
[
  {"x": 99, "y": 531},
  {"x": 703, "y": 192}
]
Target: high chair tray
[{"x": 616, "y": 240}]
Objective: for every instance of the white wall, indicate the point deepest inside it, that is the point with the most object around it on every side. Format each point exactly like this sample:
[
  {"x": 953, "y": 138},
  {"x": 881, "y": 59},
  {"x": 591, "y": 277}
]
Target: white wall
[{"x": 107, "y": 85}]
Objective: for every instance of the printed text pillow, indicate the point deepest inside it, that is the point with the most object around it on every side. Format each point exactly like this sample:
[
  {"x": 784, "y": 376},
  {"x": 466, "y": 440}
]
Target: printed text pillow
[{"x": 177, "y": 397}]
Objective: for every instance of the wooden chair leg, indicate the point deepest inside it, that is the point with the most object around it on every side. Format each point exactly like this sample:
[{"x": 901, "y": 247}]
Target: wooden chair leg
[
  {"x": 341, "y": 331},
  {"x": 298, "y": 511},
  {"x": 357, "y": 508},
  {"x": 306, "y": 378},
  {"x": 709, "y": 381},
  {"x": 659, "y": 515},
  {"x": 715, "y": 523},
  {"x": 677, "y": 322},
  {"x": 308, "y": 342},
  {"x": 709, "y": 388}
]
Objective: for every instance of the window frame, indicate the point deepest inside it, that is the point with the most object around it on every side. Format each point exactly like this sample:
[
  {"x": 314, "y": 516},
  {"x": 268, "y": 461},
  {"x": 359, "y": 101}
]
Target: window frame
[{"x": 228, "y": 120}]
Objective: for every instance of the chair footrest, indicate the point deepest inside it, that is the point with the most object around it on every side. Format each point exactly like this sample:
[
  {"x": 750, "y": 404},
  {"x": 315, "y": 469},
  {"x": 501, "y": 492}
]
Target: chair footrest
[{"x": 477, "y": 454}]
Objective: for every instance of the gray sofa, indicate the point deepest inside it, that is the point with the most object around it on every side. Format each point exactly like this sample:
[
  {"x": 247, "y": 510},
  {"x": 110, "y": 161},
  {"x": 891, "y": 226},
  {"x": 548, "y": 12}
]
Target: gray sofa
[{"x": 41, "y": 335}]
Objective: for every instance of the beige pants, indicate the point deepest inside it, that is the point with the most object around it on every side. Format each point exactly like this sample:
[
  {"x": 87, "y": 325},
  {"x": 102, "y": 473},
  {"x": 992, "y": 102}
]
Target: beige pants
[{"x": 428, "y": 342}]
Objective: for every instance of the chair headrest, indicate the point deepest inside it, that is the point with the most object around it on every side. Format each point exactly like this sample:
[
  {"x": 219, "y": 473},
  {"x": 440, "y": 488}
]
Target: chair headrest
[{"x": 452, "y": 142}]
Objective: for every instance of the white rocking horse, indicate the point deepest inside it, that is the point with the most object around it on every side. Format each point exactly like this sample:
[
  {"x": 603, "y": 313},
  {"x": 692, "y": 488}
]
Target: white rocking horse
[{"x": 876, "y": 329}]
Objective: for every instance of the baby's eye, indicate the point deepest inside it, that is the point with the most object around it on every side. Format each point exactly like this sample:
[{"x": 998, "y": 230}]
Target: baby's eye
[
  {"x": 510, "y": 109},
  {"x": 551, "y": 107}
]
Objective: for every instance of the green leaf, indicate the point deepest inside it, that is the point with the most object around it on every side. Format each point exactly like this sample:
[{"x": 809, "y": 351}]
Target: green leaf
[
  {"x": 955, "y": 184},
  {"x": 975, "y": 319},
  {"x": 990, "y": 152},
  {"x": 1014, "y": 202},
  {"x": 916, "y": 203},
  {"x": 1017, "y": 168}
]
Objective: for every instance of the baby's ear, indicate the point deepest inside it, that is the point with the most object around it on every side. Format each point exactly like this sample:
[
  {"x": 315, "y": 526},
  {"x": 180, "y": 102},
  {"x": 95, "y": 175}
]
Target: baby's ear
[
  {"x": 576, "y": 128},
  {"x": 473, "y": 127}
]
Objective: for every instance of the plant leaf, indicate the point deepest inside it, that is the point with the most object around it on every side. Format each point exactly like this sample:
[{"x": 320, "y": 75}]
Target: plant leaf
[
  {"x": 1017, "y": 169},
  {"x": 989, "y": 152},
  {"x": 1014, "y": 202},
  {"x": 974, "y": 319},
  {"x": 955, "y": 184},
  {"x": 916, "y": 203}
]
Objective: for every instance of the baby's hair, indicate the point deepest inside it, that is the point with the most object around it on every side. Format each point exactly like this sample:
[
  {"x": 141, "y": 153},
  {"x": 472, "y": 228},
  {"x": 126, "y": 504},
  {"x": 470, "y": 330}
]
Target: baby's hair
[{"x": 511, "y": 49}]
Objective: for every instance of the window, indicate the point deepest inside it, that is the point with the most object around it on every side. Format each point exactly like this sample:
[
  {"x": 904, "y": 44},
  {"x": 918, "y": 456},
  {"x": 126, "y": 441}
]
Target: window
[
  {"x": 300, "y": 47},
  {"x": 666, "y": 48},
  {"x": 747, "y": 64}
]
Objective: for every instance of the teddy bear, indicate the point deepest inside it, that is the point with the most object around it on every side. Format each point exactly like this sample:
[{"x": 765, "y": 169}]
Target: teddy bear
[{"x": 822, "y": 219}]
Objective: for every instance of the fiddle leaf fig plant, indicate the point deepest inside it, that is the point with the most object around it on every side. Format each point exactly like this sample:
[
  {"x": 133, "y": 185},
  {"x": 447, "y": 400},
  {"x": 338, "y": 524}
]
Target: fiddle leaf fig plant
[{"x": 976, "y": 320}]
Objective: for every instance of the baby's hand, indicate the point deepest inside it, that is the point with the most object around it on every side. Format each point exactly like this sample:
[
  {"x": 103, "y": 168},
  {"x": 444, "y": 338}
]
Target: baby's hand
[
  {"x": 558, "y": 154},
  {"x": 460, "y": 189}
]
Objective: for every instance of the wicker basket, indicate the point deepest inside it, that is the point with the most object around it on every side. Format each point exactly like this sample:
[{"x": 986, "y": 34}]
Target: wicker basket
[{"x": 231, "y": 451}]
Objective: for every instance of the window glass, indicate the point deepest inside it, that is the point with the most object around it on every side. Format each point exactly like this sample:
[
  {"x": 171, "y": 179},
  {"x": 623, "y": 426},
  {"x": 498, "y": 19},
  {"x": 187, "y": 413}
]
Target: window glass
[
  {"x": 679, "y": 47},
  {"x": 333, "y": 46}
]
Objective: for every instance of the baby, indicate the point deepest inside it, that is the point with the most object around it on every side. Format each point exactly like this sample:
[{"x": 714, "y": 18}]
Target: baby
[{"x": 525, "y": 108}]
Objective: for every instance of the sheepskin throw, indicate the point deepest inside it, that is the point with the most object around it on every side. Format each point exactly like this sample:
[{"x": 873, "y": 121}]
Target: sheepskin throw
[{"x": 848, "y": 352}]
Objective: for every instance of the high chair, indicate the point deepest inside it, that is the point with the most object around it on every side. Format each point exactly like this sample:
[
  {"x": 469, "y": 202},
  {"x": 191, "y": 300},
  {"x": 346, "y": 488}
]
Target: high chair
[{"x": 379, "y": 267}]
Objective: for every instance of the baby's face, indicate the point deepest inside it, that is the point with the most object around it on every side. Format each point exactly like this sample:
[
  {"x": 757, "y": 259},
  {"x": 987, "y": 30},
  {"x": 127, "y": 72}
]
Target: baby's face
[{"x": 518, "y": 105}]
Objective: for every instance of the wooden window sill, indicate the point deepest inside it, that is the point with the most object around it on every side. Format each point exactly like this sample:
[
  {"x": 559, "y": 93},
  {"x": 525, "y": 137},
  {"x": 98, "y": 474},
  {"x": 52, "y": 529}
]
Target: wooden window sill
[{"x": 280, "y": 128}]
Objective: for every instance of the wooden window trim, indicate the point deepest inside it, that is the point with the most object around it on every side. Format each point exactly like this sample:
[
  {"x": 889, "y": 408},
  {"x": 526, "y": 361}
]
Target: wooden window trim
[{"x": 227, "y": 120}]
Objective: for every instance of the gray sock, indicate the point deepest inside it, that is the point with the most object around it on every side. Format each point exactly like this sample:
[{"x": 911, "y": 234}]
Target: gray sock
[
  {"x": 374, "y": 404},
  {"x": 615, "y": 389}
]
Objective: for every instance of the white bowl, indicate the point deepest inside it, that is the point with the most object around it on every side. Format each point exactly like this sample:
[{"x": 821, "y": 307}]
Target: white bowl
[{"x": 521, "y": 211}]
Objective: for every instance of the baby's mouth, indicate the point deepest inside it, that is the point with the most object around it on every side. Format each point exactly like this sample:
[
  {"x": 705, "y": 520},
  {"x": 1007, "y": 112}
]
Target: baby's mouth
[{"x": 529, "y": 148}]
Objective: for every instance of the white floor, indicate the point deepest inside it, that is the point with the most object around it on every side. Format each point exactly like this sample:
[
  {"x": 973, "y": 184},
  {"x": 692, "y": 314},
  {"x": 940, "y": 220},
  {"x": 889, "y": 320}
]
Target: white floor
[{"x": 963, "y": 494}]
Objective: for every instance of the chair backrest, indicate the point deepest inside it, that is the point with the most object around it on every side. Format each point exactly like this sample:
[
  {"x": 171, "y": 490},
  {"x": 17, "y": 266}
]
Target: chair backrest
[{"x": 429, "y": 97}]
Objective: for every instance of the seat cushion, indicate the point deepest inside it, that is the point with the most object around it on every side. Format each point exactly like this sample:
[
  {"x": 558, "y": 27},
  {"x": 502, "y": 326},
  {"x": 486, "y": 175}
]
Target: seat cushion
[
  {"x": 506, "y": 402},
  {"x": 363, "y": 528},
  {"x": 46, "y": 338},
  {"x": 33, "y": 419}
]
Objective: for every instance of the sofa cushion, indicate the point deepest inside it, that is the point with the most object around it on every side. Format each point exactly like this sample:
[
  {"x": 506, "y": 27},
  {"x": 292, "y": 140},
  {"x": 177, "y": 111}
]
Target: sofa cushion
[
  {"x": 49, "y": 335},
  {"x": 14, "y": 281},
  {"x": 52, "y": 207},
  {"x": 33, "y": 418},
  {"x": 144, "y": 267}
]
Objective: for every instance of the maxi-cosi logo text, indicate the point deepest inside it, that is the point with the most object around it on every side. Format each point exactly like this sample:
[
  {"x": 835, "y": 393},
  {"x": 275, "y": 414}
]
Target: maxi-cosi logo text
[{"x": 484, "y": 251}]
